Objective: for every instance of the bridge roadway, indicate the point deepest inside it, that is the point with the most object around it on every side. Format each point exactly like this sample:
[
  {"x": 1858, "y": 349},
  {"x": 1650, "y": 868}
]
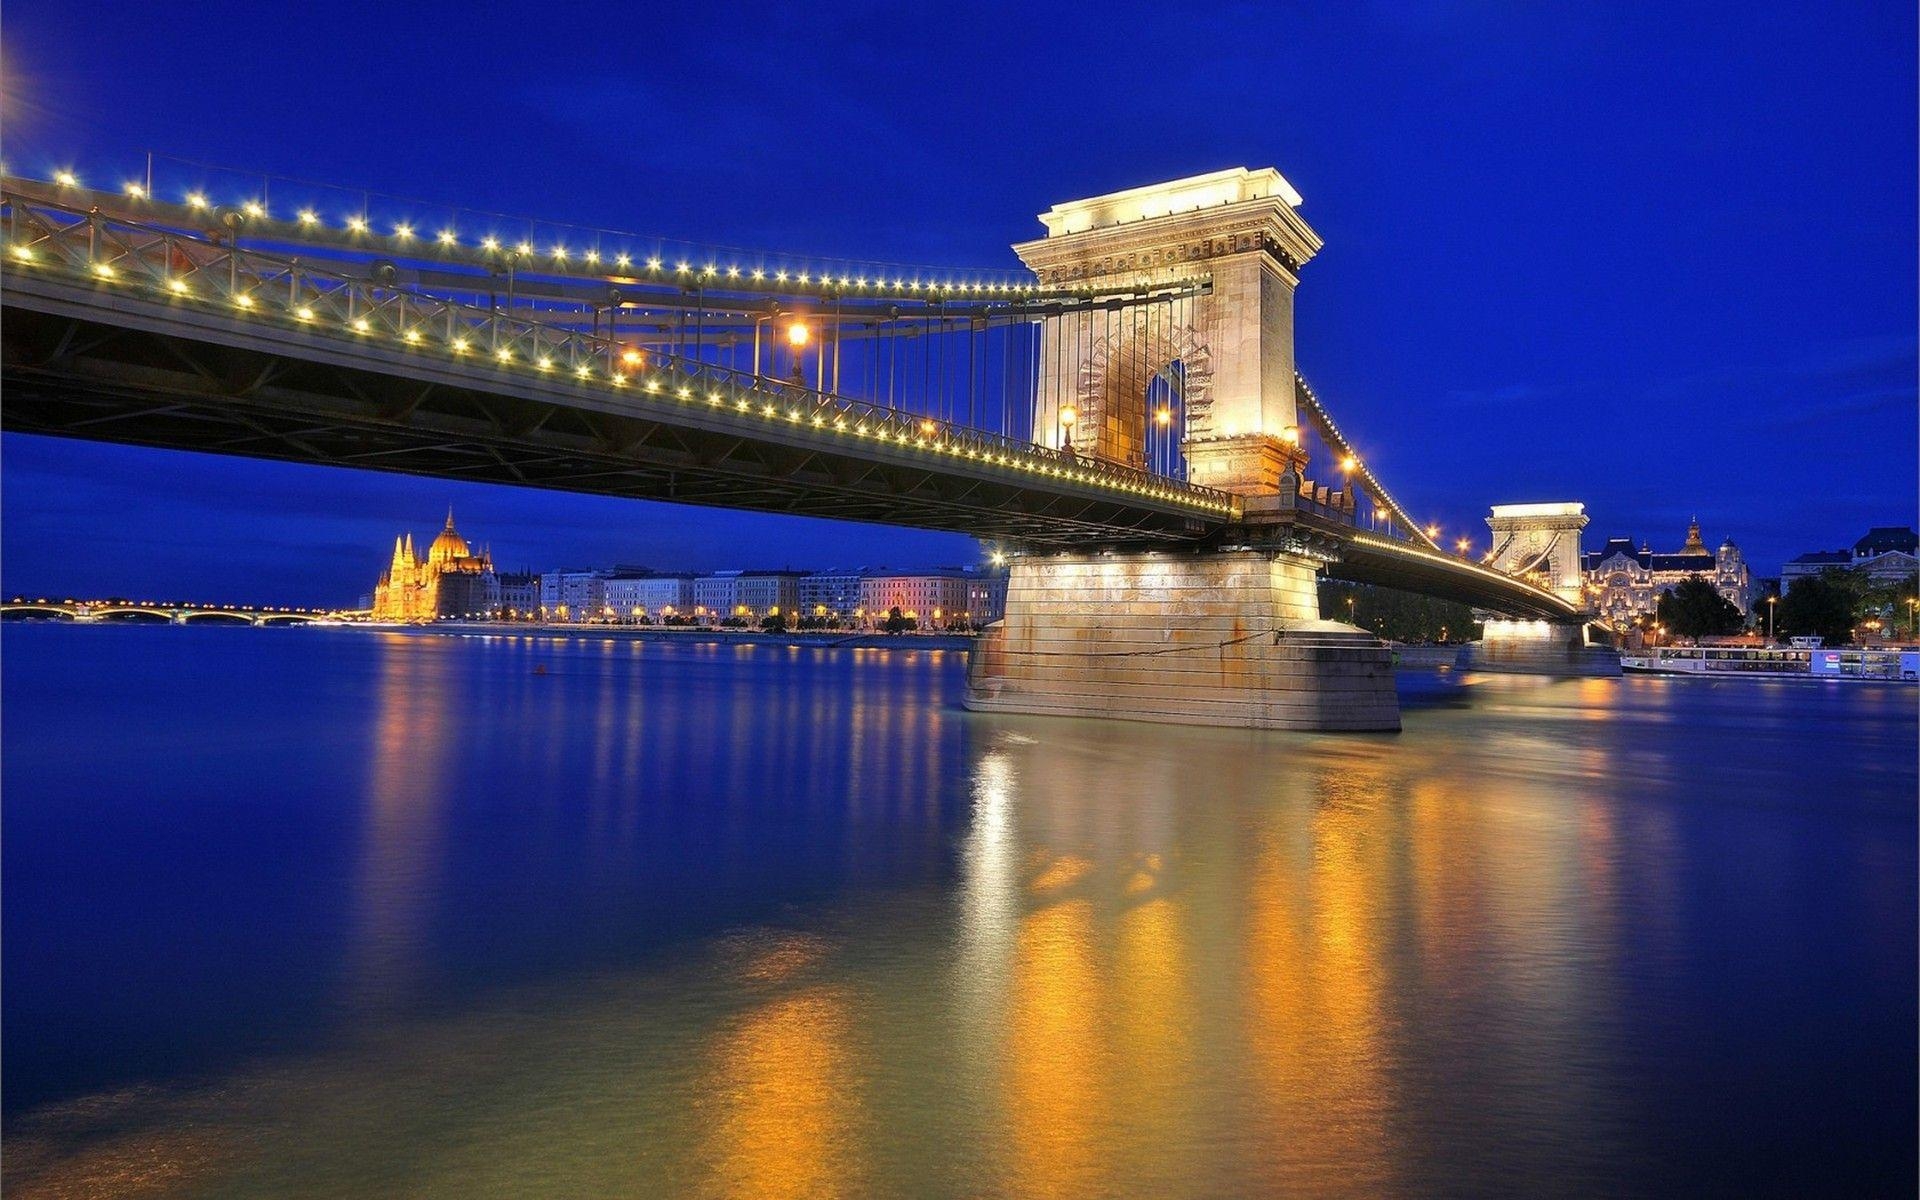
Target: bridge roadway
[{"x": 120, "y": 330}]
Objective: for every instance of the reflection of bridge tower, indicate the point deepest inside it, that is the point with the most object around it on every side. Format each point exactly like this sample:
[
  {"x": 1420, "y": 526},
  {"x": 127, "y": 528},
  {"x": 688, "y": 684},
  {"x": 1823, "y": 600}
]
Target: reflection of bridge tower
[
  {"x": 1540, "y": 540},
  {"x": 1228, "y": 635},
  {"x": 1227, "y": 353}
]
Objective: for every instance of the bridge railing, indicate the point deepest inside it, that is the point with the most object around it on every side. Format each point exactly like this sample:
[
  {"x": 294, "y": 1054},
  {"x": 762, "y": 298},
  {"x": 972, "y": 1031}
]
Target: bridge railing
[{"x": 190, "y": 269}]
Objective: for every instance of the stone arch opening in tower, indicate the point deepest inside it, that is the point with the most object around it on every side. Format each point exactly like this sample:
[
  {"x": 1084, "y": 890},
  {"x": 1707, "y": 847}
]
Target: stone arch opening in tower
[{"x": 1143, "y": 389}]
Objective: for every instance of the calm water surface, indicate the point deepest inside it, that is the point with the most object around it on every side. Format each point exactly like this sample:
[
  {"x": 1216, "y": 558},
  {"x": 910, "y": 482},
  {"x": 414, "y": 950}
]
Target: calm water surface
[{"x": 324, "y": 913}]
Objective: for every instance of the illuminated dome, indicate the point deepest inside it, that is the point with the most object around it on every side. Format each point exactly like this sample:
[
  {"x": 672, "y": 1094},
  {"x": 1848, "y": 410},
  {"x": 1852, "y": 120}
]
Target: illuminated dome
[{"x": 449, "y": 545}]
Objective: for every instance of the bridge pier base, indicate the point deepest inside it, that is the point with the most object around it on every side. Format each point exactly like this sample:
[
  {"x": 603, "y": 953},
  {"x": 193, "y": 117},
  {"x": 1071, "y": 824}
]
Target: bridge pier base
[
  {"x": 1223, "y": 637},
  {"x": 1538, "y": 648}
]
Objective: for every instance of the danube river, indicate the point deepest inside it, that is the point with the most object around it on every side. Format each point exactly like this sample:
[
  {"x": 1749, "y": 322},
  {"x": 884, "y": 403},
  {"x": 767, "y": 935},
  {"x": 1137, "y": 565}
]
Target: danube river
[{"x": 305, "y": 912}]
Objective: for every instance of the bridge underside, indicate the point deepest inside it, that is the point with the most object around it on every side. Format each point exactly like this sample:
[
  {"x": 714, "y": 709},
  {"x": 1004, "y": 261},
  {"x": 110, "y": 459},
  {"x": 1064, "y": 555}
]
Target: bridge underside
[
  {"x": 1406, "y": 572},
  {"x": 68, "y": 375}
]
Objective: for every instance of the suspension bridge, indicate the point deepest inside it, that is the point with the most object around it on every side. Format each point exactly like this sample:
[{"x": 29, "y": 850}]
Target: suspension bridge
[{"x": 1129, "y": 400}]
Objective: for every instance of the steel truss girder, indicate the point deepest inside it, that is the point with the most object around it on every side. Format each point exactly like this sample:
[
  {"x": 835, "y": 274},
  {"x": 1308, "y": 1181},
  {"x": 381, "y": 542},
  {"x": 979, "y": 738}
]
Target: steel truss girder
[{"x": 160, "y": 390}]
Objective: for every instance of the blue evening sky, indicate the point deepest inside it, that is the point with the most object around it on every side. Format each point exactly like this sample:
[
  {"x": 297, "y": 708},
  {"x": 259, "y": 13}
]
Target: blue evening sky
[{"x": 1658, "y": 258}]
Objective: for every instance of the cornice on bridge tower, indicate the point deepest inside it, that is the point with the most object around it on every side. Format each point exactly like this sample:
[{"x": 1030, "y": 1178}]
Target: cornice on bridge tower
[{"x": 1238, "y": 228}]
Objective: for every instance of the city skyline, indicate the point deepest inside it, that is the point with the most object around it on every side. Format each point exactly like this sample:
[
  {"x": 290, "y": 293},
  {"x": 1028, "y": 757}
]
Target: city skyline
[{"x": 1492, "y": 285}]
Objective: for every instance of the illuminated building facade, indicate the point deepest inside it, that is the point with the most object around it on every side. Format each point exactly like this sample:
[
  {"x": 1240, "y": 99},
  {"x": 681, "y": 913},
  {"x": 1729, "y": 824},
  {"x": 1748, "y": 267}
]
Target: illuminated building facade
[
  {"x": 747, "y": 595},
  {"x": 573, "y": 595},
  {"x": 633, "y": 596},
  {"x": 451, "y": 581},
  {"x": 519, "y": 596},
  {"x": 834, "y": 594},
  {"x": 1885, "y": 555},
  {"x": 933, "y": 598},
  {"x": 1623, "y": 583}
]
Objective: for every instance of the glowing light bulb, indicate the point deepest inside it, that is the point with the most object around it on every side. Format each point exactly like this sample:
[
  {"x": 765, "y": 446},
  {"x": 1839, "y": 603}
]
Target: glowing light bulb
[
  {"x": 1348, "y": 463},
  {"x": 357, "y": 223},
  {"x": 196, "y": 200},
  {"x": 254, "y": 208},
  {"x": 623, "y": 260},
  {"x": 798, "y": 334},
  {"x": 403, "y": 231},
  {"x": 524, "y": 248},
  {"x": 66, "y": 179},
  {"x": 447, "y": 237},
  {"x": 136, "y": 191},
  {"x": 1162, "y": 416},
  {"x": 1068, "y": 416},
  {"x": 490, "y": 243}
]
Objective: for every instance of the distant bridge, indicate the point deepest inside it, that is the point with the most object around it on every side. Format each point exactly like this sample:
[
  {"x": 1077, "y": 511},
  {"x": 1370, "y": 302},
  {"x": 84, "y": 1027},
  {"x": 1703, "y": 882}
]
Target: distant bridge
[{"x": 20, "y": 607}]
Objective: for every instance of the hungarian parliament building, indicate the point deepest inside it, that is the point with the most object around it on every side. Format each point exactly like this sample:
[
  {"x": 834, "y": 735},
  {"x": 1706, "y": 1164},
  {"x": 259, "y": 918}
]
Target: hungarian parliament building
[{"x": 451, "y": 581}]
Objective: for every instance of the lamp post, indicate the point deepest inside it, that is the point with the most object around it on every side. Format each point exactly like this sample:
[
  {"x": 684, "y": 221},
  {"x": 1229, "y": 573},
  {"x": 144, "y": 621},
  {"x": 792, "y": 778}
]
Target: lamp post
[
  {"x": 797, "y": 337},
  {"x": 1068, "y": 416},
  {"x": 1771, "y": 602}
]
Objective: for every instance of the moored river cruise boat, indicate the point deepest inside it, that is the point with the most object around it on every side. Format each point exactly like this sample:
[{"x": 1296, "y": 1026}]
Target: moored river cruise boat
[{"x": 1798, "y": 661}]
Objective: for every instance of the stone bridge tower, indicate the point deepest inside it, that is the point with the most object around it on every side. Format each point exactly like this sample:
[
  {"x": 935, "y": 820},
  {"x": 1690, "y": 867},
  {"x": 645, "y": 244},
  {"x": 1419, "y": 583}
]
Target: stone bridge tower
[
  {"x": 1232, "y": 347},
  {"x": 1541, "y": 541},
  {"x": 1227, "y": 635}
]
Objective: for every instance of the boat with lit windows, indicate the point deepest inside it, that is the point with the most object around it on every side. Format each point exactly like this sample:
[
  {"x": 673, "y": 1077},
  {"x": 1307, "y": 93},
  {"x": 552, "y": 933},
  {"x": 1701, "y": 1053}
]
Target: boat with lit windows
[{"x": 1803, "y": 658}]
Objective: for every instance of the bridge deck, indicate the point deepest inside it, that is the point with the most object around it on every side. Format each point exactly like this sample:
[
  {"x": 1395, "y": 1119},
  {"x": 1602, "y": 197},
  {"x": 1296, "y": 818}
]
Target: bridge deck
[{"x": 118, "y": 331}]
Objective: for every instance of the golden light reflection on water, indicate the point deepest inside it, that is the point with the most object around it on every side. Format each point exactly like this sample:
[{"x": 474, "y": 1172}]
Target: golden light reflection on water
[
  {"x": 1167, "y": 962},
  {"x": 400, "y": 854},
  {"x": 1057, "y": 1070},
  {"x": 781, "y": 1109}
]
